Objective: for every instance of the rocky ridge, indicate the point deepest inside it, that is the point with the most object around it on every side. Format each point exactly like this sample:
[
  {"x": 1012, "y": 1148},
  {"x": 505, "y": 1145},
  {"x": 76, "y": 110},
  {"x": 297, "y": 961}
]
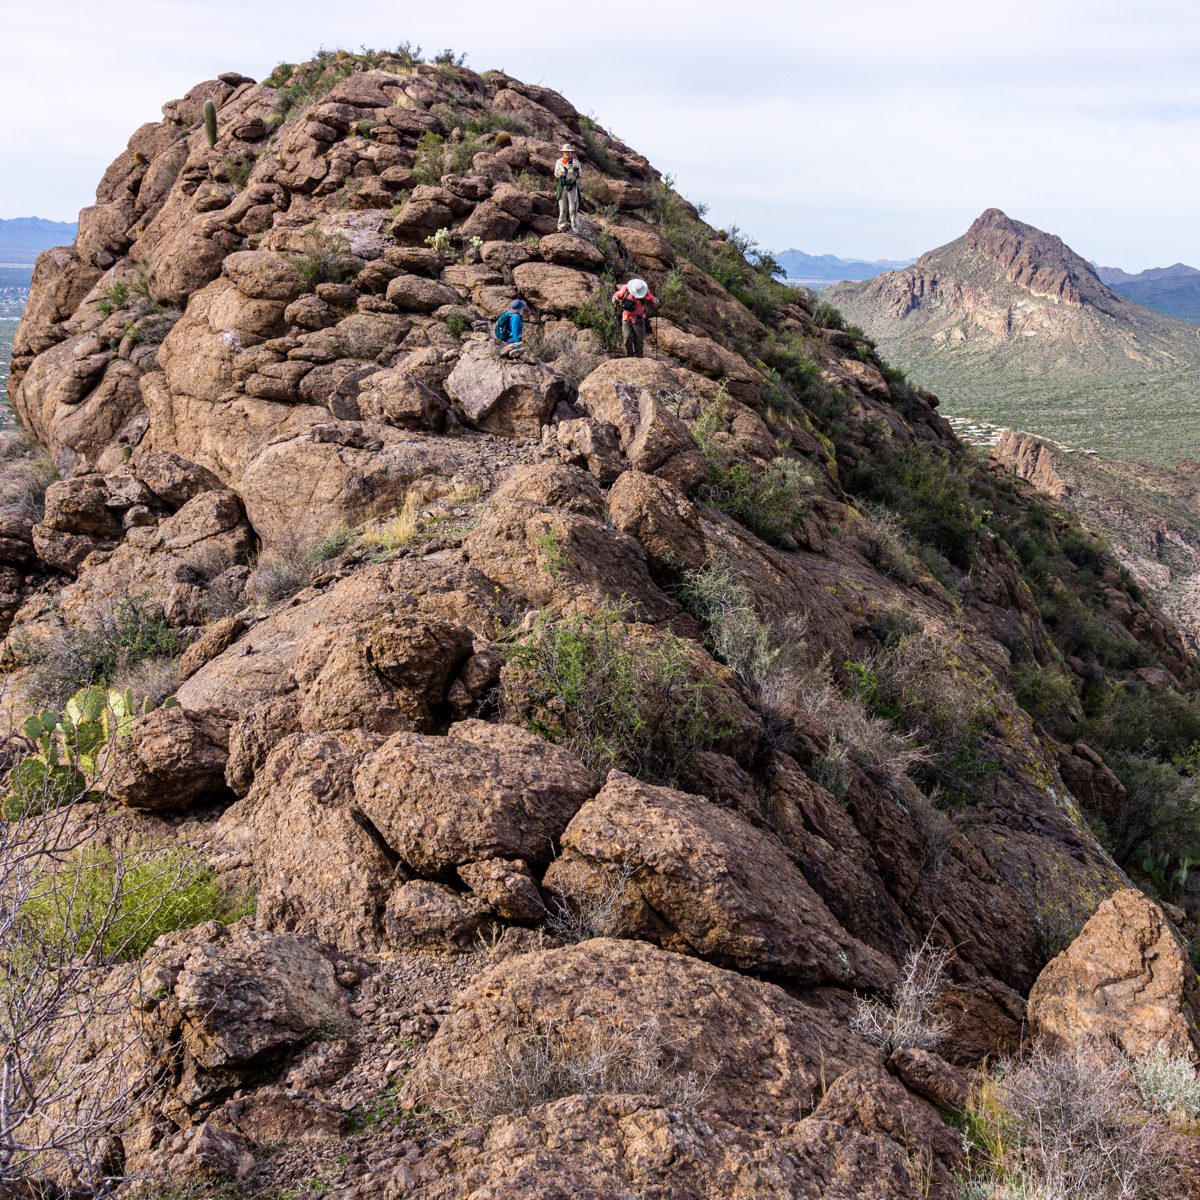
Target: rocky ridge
[
  {"x": 256, "y": 343},
  {"x": 1008, "y": 324}
]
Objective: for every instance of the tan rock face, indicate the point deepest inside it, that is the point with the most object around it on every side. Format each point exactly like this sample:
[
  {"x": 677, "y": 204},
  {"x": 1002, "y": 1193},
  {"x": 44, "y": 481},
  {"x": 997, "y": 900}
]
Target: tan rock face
[
  {"x": 703, "y": 881},
  {"x": 760, "y": 1050},
  {"x": 1127, "y": 977},
  {"x": 483, "y": 791},
  {"x": 505, "y": 396},
  {"x": 170, "y": 760},
  {"x": 316, "y": 869}
]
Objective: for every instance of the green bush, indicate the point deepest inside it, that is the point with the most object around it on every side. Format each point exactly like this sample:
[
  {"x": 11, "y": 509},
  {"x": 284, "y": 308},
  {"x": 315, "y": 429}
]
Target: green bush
[
  {"x": 597, "y": 315},
  {"x": 922, "y": 684},
  {"x": 133, "y": 632},
  {"x": 930, "y": 494},
  {"x": 614, "y": 698},
  {"x": 770, "y": 500},
  {"x": 429, "y": 165},
  {"x": 1048, "y": 696},
  {"x": 828, "y": 316},
  {"x": 114, "y": 907},
  {"x": 325, "y": 259}
]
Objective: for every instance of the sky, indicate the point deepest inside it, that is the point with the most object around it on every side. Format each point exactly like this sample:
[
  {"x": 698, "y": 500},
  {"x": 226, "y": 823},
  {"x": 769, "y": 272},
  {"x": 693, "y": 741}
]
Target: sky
[{"x": 874, "y": 129}]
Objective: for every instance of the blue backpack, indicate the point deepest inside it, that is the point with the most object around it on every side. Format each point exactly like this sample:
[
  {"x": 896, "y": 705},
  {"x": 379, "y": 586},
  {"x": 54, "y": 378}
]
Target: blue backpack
[{"x": 503, "y": 329}]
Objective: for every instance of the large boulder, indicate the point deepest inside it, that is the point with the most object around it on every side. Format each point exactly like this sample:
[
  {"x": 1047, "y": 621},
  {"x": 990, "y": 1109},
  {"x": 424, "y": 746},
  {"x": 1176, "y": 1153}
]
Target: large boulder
[
  {"x": 482, "y": 791},
  {"x": 700, "y": 879},
  {"x": 762, "y": 1056},
  {"x": 316, "y": 869},
  {"x": 556, "y": 291},
  {"x": 506, "y": 396},
  {"x": 336, "y": 474},
  {"x": 1127, "y": 978},
  {"x": 171, "y": 760}
]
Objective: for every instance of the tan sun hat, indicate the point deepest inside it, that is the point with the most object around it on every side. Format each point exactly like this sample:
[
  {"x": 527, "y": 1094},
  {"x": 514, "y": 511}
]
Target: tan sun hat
[{"x": 567, "y": 148}]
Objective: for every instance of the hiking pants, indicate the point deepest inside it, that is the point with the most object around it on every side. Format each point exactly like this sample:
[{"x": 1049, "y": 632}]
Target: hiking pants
[
  {"x": 635, "y": 337},
  {"x": 568, "y": 209}
]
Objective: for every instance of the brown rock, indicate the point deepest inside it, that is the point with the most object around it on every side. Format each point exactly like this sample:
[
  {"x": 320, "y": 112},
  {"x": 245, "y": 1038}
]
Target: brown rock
[
  {"x": 172, "y": 478},
  {"x": 932, "y": 1077},
  {"x": 482, "y": 791},
  {"x": 422, "y": 915},
  {"x": 555, "y": 290},
  {"x": 506, "y": 887},
  {"x": 702, "y": 880},
  {"x": 398, "y": 398},
  {"x": 763, "y": 1053},
  {"x": 317, "y": 870},
  {"x": 589, "y": 444},
  {"x": 661, "y": 517},
  {"x": 215, "y": 639},
  {"x": 255, "y": 735},
  {"x": 556, "y": 485},
  {"x": 505, "y": 396},
  {"x": 412, "y": 293},
  {"x": 1127, "y": 978},
  {"x": 171, "y": 760},
  {"x": 262, "y": 275},
  {"x": 568, "y": 250}
]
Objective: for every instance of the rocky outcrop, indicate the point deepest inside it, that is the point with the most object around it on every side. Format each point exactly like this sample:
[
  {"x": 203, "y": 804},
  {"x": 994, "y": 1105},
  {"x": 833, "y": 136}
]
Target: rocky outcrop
[
  {"x": 1127, "y": 978},
  {"x": 423, "y": 593}
]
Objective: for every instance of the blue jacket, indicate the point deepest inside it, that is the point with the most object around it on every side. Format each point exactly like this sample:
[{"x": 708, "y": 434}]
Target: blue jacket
[{"x": 516, "y": 326}]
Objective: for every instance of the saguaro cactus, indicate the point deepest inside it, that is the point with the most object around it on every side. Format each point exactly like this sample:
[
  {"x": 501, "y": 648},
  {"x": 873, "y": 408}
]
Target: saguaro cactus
[{"x": 210, "y": 122}]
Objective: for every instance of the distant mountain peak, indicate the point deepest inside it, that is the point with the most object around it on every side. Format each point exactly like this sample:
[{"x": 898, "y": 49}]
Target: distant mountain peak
[{"x": 1042, "y": 263}]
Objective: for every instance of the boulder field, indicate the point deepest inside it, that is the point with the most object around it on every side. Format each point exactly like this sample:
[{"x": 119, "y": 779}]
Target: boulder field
[{"x": 497, "y": 951}]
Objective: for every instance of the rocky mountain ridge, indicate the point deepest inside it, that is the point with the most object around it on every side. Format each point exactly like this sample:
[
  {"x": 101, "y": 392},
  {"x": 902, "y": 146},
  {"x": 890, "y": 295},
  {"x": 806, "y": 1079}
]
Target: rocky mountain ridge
[
  {"x": 1010, "y": 325},
  {"x": 602, "y": 740}
]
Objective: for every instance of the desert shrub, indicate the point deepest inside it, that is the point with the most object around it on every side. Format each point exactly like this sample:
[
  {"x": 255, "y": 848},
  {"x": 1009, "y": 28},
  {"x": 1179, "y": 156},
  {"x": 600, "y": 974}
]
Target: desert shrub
[
  {"x": 1154, "y": 830},
  {"x": 910, "y": 1017},
  {"x": 25, "y": 474},
  {"x": 594, "y": 147},
  {"x": 114, "y": 906},
  {"x": 326, "y": 258},
  {"x": 885, "y": 544},
  {"x": 1168, "y": 1084},
  {"x": 124, "y": 636},
  {"x": 149, "y": 681},
  {"x": 429, "y": 166},
  {"x": 1048, "y": 696},
  {"x": 856, "y": 737},
  {"x": 555, "y": 1059},
  {"x": 576, "y": 915},
  {"x": 396, "y": 531},
  {"x": 278, "y": 574},
  {"x": 458, "y": 322},
  {"x": 561, "y": 348},
  {"x": 300, "y": 86},
  {"x": 615, "y": 699},
  {"x": 922, "y": 684},
  {"x": 1067, "y": 1124},
  {"x": 768, "y": 500},
  {"x": 757, "y": 652},
  {"x": 828, "y": 316},
  {"x": 597, "y": 314},
  {"x": 930, "y": 495},
  {"x": 329, "y": 545}
]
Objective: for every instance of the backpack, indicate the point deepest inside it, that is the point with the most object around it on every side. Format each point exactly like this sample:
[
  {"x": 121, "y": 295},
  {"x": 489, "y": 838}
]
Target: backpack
[{"x": 503, "y": 329}]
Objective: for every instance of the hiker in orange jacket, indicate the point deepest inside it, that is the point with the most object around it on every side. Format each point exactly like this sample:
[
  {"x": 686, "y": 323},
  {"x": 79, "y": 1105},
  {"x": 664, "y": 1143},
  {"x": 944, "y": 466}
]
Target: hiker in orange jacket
[{"x": 635, "y": 303}]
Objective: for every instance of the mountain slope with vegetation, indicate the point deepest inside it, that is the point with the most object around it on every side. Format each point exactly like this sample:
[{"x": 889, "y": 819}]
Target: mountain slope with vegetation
[
  {"x": 1173, "y": 291},
  {"x": 1008, "y": 325},
  {"x": 436, "y": 773}
]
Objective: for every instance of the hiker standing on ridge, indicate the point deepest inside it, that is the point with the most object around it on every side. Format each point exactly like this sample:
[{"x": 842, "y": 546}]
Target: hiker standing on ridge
[
  {"x": 567, "y": 171},
  {"x": 510, "y": 328},
  {"x": 636, "y": 303}
]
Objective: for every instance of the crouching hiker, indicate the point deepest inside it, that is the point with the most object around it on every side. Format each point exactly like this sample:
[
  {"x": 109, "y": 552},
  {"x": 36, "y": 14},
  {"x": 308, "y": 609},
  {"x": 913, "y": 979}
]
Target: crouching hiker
[
  {"x": 510, "y": 328},
  {"x": 567, "y": 171},
  {"x": 635, "y": 303}
]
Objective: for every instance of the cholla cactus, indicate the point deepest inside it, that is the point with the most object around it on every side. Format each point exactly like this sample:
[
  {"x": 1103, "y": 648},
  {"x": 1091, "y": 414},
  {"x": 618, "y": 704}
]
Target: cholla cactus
[{"x": 210, "y": 122}]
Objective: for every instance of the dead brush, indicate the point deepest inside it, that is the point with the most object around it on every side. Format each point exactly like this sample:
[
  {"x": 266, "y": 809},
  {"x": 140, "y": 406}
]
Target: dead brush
[
  {"x": 909, "y": 1018},
  {"x": 583, "y": 1056}
]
